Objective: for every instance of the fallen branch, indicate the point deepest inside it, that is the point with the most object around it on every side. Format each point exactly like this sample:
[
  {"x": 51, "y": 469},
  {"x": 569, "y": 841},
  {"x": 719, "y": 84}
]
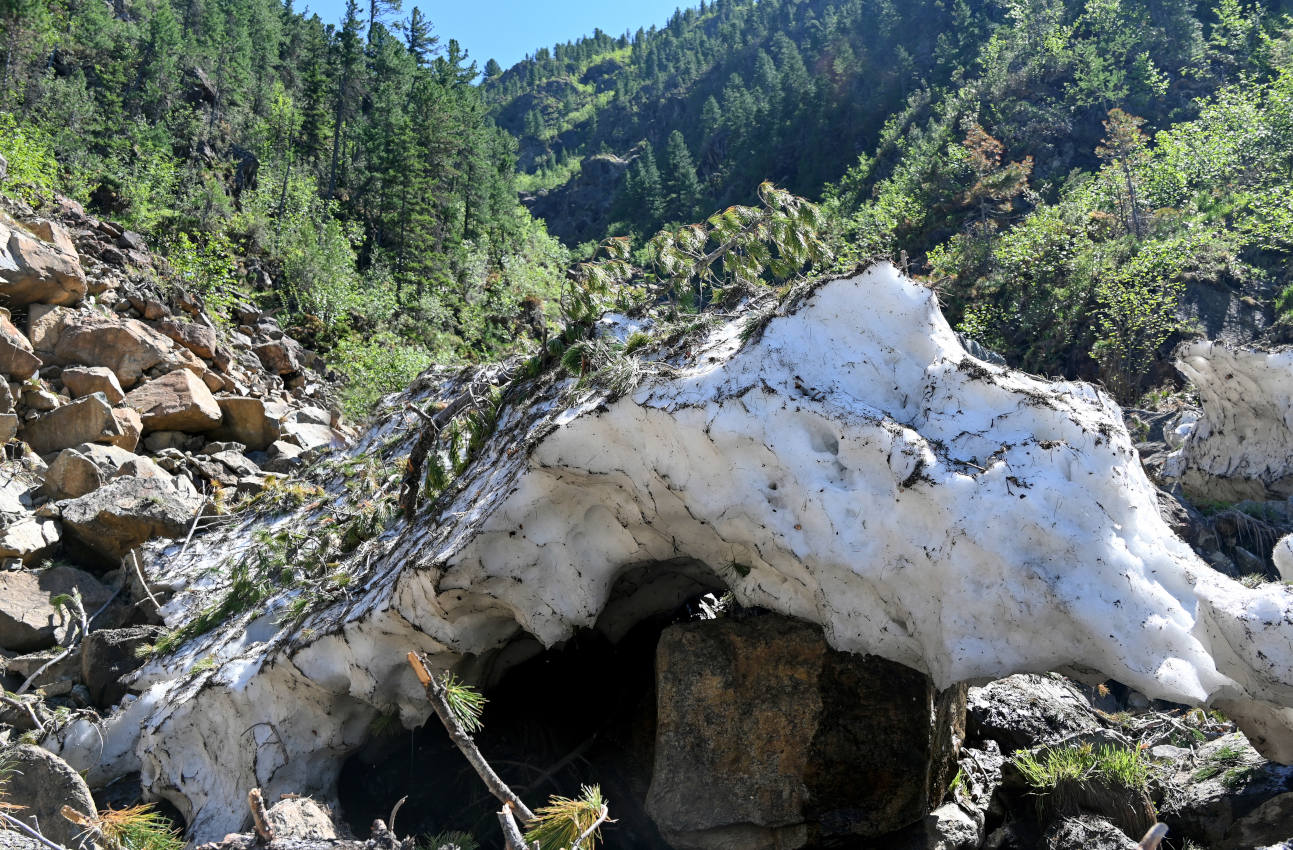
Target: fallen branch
[
  {"x": 14, "y": 822},
  {"x": 601, "y": 819},
  {"x": 512, "y": 836},
  {"x": 143, "y": 582},
  {"x": 436, "y": 695}
]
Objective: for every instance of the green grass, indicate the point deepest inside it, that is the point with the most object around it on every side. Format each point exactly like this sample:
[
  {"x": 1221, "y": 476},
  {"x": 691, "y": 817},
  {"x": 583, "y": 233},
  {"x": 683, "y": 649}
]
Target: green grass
[
  {"x": 1226, "y": 756},
  {"x": 1051, "y": 767}
]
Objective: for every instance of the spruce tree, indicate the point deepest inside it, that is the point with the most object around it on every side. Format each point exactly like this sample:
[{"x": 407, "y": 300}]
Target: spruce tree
[{"x": 681, "y": 186}]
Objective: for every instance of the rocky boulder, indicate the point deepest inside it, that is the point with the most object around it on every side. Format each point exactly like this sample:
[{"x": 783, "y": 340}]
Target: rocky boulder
[
  {"x": 126, "y": 512},
  {"x": 1027, "y": 710},
  {"x": 199, "y": 339},
  {"x": 42, "y": 784},
  {"x": 16, "y": 357},
  {"x": 108, "y": 655},
  {"x": 28, "y": 538},
  {"x": 28, "y": 618},
  {"x": 244, "y": 419},
  {"x": 762, "y": 729},
  {"x": 126, "y": 346},
  {"x": 177, "y": 401},
  {"x": 35, "y": 270},
  {"x": 86, "y": 380},
  {"x": 86, "y": 420}
]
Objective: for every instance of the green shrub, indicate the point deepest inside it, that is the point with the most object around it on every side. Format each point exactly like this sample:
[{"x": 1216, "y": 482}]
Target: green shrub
[
  {"x": 33, "y": 171},
  {"x": 374, "y": 367}
]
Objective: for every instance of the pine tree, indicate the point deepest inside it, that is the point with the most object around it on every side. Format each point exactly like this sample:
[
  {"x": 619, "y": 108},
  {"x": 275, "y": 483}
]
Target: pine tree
[{"x": 681, "y": 186}]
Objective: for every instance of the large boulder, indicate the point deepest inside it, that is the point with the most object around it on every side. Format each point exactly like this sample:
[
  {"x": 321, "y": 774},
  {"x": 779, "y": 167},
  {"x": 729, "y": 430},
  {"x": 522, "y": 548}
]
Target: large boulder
[
  {"x": 244, "y": 419},
  {"x": 280, "y": 356},
  {"x": 28, "y": 618},
  {"x": 41, "y": 783},
  {"x": 177, "y": 401},
  {"x": 35, "y": 270},
  {"x": 84, "y": 469},
  {"x": 199, "y": 339},
  {"x": 126, "y": 512},
  {"x": 768, "y": 738},
  {"x": 86, "y": 380},
  {"x": 86, "y": 420},
  {"x": 1227, "y": 791},
  {"x": 16, "y": 357},
  {"x": 126, "y": 346}
]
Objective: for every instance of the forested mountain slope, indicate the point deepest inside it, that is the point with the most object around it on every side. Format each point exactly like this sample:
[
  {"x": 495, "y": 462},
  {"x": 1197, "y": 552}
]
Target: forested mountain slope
[
  {"x": 347, "y": 173},
  {"x": 796, "y": 90}
]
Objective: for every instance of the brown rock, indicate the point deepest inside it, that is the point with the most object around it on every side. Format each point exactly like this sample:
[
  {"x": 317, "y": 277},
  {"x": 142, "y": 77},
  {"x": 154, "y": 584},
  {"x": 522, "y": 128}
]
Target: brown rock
[
  {"x": 8, "y": 427},
  {"x": 16, "y": 357},
  {"x": 84, "y": 380},
  {"x": 126, "y": 346},
  {"x": 763, "y": 729},
  {"x": 33, "y": 270},
  {"x": 199, "y": 339},
  {"x": 280, "y": 356},
  {"x": 72, "y": 474},
  {"x": 244, "y": 420},
  {"x": 178, "y": 401},
  {"x": 44, "y": 325},
  {"x": 131, "y": 426},
  {"x": 41, "y": 784},
  {"x": 28, "y": 621},
  {"x": 125, "y": 512},
  {"x": 309, "y": 436},
  {"x": 86, "y": 420},
  {"x": 6, "y": 397},
  {"x": 54, "y": 233}
]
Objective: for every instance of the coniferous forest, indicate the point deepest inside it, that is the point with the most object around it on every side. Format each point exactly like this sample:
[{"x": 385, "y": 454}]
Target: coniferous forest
[{"x": 1066, "y": 172}]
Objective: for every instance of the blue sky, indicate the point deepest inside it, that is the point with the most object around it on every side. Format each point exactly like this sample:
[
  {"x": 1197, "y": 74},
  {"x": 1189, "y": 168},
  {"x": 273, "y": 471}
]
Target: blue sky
[{"x": 507, "y": 30}]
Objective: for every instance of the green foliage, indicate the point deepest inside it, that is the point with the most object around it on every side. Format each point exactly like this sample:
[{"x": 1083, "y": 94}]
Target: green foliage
[
  {"x": 465, "y": 702},
  {"x": 375, "y": 367},
  {"x": 29, "y": 151},
  {"x": 558, "y": 825},
  {"x": 1052, "y": 767},
  {"x": 139, "y": 828},
  {"x": 449, "y": 839},
  {"x": 1225, "y": 757}
]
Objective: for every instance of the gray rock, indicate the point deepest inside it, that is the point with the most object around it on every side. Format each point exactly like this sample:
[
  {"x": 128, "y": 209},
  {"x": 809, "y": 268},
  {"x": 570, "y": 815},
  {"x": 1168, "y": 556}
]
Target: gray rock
[
  {"x": 110, "y": 654},
  {"x": 28, "y": 620},
  {"x": 1270, "y": 823},
  {"x": 1027, "y": 710},
  {"x": 42, "y": 783},
  {"x": 1226, "y": 783},
  {"x": 125, "y": 512},
  {"x": 1086, "y": 832},
  {"x": 302, "y": 819},
  {"x": 28, "y": 538}
]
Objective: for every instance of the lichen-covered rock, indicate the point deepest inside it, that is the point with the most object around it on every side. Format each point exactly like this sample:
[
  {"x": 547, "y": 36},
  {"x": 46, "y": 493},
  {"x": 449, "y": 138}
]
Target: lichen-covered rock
[
  {"x": 838, "y": 458},
  {"x": 126, "y": 512},
  {"x": 42, "y": 784},
  {"x": 1086, "y": 832},
  {"x": 762, "y": 729}
]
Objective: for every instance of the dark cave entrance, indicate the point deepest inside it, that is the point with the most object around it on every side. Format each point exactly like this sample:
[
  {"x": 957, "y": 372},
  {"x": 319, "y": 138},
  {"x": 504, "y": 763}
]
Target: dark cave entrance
[{"x": 580, "y": 713}]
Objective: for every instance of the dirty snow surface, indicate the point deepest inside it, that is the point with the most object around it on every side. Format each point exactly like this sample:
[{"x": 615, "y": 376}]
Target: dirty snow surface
[{"x": 847, "y": 463}]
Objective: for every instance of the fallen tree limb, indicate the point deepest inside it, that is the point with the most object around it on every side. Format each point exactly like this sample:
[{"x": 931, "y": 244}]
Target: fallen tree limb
[{"x": 435, "y": 691}]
